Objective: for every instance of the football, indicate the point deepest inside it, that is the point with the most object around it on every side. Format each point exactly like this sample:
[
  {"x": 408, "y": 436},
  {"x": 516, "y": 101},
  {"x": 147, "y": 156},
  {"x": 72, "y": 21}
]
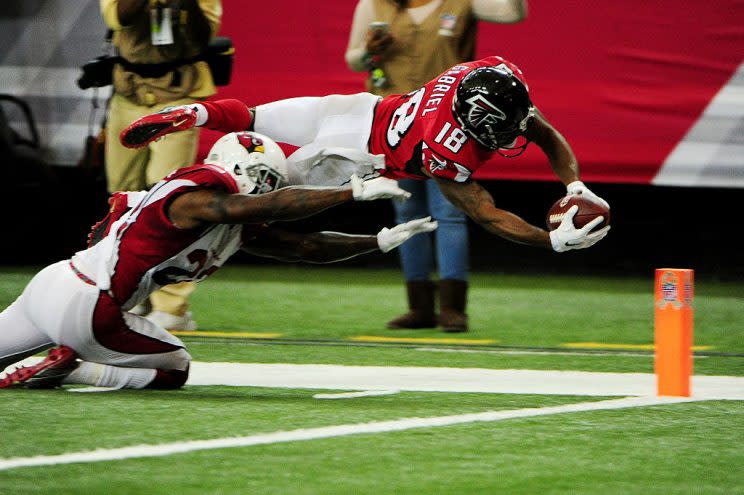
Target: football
[{"x": 588, "y": 211}]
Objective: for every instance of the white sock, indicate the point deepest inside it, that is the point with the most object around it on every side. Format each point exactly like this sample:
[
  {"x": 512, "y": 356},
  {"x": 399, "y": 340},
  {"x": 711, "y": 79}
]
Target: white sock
[
  {"x": 104, "y": 375},
  {"x": 201, "y": 114}
]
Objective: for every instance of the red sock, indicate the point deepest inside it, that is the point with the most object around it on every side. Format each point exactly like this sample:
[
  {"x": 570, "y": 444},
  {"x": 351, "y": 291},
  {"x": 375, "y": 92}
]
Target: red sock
[{"x": 228, "y": 115}]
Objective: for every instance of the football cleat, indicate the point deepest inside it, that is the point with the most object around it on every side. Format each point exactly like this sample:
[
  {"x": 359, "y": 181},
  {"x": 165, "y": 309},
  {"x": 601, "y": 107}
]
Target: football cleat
[
  {"x": 150, "y": 128},
  {"x": 49, "y": 373}
]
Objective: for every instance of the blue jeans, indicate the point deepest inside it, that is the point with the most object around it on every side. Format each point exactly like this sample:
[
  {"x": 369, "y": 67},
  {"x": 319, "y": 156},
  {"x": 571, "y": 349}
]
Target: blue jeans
[{"x": 450, "y": 239}]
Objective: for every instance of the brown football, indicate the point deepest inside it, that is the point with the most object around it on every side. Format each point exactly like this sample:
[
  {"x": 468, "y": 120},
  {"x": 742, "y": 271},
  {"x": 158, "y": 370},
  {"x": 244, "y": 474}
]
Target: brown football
[{"x": 588, "y": 211}]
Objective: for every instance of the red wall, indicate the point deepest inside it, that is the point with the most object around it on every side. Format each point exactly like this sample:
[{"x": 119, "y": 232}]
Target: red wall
[{"x": 623, "y": 81}]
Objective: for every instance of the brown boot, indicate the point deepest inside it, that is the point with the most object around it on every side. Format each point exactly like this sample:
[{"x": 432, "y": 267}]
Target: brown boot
[
  {"x": 453, "y": 297},
  {"x": 421, "y": 307}
]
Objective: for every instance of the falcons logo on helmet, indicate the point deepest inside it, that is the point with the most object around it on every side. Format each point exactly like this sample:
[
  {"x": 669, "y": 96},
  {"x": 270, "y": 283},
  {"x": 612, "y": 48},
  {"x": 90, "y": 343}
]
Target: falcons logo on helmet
[{"x": 482, "y": 112}]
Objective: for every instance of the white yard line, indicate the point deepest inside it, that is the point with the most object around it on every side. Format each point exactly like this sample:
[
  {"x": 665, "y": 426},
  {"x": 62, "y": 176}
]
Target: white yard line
[
  {"x": 355, "y": 395},
  {"x": 423, "y": 379},
  {"x": 139, "y": 451}
]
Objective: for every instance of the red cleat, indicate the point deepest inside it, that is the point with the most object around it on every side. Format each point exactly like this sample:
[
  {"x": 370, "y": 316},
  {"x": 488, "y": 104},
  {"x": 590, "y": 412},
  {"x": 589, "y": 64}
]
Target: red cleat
[
  {"x": 149, "y": 128},
  {"x": 49, "y": 373}
]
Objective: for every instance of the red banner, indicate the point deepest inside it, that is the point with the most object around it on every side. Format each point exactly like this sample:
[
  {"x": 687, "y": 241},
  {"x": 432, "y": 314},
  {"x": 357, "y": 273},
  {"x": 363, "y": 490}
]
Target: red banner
[{"x": 644, "y": 91}]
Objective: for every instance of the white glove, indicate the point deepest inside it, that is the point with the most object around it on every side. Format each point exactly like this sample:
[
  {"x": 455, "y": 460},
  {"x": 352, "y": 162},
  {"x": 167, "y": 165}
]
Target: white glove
[
  {"x": 389, "y": 239},
  {"x": 379, "y": 188},
  {"x": 567, "y": 237},
  {"x": 577, "y": 188}
]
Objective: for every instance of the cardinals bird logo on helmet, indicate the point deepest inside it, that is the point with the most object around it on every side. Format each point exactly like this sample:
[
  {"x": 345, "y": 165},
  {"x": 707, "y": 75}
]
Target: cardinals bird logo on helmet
[{"x": 255, "y": 161}]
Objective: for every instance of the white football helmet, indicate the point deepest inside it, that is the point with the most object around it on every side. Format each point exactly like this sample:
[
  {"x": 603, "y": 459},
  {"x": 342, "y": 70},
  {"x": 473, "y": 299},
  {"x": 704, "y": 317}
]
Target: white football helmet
[{"x": 255, "y": 161}]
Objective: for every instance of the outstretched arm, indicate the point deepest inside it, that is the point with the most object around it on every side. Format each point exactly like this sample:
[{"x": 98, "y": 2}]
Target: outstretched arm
[
  {"x": 556, "y": 148},
  {"x": 222, "y": 115},
  {"x": 478, "y": 204},
  {"x": 193, "y": 209},
  {"x": 317, "y": 247},
  {"x": 471, "y": 198},
  {"x": 327, "y": 247},
  {"x": 561, "y": 157}
]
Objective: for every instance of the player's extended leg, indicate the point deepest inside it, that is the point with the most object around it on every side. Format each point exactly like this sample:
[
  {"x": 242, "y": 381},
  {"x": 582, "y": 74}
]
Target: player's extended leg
[
  {"x": 167, "y": 155},
  {"x": 295, "y": 121},
  {"x": 336, "y": 120},
  {"x": 123, "y": 350},
  {"x": 332, "y": 133},
  {"x": 81, "y": 317},
  {"x": 19, "y": 338},
  {"x": 416, "y": 258}
]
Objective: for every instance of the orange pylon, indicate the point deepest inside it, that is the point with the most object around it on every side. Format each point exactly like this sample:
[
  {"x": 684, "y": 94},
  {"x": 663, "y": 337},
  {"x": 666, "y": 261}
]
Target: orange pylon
[{"x": 673, "y": 327}]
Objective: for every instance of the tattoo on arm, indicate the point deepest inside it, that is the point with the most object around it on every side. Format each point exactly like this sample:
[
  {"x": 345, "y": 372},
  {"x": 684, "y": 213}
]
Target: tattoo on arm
[
  {"x": 291, "y": 203},
  {"x": 479, "y": 205},
  {"x": 218, "y": 206}
]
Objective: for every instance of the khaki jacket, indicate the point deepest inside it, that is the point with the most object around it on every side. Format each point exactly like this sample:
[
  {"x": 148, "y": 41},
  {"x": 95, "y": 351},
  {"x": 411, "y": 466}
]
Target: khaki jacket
[
  {"x": 134, "y": 44},
  {"x": 422, "y": 52}
]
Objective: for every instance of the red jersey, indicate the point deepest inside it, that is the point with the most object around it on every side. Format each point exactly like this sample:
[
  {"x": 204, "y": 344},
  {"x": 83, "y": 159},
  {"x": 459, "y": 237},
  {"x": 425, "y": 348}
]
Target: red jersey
[
  {"x": 141, "y": 250},
  {"x": 419, "y": 129}
]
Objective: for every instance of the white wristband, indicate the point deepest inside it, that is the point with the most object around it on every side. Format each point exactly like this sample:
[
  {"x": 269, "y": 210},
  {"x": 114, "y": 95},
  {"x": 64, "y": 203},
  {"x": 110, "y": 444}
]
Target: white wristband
[{"x": 555, "y": 242}]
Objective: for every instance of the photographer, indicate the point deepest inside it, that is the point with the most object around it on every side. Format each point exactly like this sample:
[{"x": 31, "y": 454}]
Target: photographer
[{"x": 157, "y": 41}]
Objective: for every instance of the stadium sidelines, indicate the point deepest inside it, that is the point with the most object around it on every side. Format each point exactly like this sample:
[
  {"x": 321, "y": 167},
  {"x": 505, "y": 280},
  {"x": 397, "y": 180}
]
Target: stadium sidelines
[{"x": 364, "y": 378}]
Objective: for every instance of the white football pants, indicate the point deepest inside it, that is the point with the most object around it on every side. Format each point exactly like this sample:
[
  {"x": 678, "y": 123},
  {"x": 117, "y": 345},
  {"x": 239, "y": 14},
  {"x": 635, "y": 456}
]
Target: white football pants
[
  {"x": 57, "y": 307},
  {"x": 332, "y": 133}
]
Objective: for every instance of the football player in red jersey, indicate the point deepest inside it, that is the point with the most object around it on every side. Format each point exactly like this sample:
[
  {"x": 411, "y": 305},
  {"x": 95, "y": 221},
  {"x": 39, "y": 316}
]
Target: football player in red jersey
[
  {"x": 184, "y": 228},
  {"x": 445, "y": 130}
]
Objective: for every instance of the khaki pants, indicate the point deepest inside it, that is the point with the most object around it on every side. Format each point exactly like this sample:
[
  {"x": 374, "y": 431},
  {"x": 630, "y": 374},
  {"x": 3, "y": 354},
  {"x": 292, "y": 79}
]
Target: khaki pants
[
  {"x": 173, "y": 299},
  {"x": 137, "y": 169}
]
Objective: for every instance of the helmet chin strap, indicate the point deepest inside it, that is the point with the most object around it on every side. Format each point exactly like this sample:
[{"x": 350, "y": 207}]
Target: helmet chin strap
[{"x": 498, "y": 149}]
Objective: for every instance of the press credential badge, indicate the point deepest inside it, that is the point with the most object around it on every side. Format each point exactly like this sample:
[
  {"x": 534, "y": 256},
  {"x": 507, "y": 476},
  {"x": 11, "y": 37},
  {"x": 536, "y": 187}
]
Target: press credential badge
[{"x": 161, "y": 30}]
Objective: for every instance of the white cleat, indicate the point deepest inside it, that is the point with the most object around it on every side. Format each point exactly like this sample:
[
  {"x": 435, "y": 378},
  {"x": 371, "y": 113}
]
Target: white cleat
[{"x": 184, "y": 323}]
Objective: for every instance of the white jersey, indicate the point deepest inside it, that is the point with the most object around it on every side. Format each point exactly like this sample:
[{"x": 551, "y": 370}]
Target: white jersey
[{"x": 142, "y": 250}]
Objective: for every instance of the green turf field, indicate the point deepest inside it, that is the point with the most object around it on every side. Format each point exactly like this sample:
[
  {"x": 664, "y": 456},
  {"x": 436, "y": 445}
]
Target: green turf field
[{"x": 296, "y": 315}]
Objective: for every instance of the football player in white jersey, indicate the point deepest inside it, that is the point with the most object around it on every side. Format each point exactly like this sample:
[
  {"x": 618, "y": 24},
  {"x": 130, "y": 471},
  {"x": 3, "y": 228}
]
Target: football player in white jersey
[{"x": 184, "y": 228}]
